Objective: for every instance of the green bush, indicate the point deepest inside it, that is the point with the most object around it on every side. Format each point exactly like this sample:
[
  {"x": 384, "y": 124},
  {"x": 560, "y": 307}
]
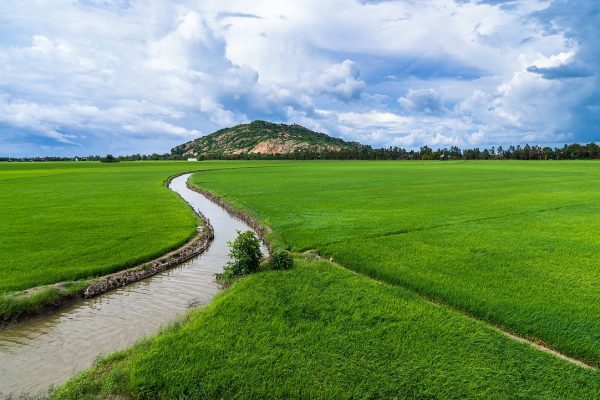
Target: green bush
[
  {"x": 281, "y": 260},
  {"x": 245, "y": 256}
]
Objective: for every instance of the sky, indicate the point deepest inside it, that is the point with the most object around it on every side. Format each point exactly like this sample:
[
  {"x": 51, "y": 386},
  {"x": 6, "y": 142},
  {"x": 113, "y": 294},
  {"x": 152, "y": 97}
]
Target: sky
[{"x": 81, "y": 77}]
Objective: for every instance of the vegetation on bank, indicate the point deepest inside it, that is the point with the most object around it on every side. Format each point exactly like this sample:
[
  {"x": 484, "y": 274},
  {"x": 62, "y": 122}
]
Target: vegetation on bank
[
  {"x": 515, "y": 244},
  {"x": 25, "y": 302},
  {"x": 245, "y": 256},
  {"x": 319, "y": 331}
]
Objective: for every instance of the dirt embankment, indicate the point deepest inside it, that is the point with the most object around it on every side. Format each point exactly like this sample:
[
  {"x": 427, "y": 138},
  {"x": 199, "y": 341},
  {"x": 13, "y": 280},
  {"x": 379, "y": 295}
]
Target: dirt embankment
[{"x": 191, "y": 249}]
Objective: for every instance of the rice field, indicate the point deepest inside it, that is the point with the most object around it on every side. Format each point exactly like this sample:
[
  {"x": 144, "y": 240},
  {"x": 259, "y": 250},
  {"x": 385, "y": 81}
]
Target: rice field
[
  {"x": 430, "y": 258},
  {"x": 512, "y": 243}
]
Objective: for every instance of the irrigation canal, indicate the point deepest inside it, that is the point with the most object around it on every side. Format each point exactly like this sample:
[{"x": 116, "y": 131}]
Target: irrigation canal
[{"x": 47, "y": 350}]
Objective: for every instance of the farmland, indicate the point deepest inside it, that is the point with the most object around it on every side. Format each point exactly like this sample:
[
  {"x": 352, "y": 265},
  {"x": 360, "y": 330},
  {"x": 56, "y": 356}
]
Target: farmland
[
  {"x": 515, "y": 244},
  {"x": 444, "y": 253}
]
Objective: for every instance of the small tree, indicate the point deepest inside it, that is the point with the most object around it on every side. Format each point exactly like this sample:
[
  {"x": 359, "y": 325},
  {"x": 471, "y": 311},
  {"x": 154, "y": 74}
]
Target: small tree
[{"x": 245, "y": 256}]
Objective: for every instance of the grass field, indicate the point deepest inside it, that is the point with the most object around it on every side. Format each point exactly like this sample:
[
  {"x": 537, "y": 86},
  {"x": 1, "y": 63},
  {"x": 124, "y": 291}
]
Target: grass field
[
  {"x": 513, "y": 243},
  {"x": 70, "y": 221},
  {"x": 319, "y": 331},
  {"x": 66, "y": 222},
  {"x": 510, "y": 243}
]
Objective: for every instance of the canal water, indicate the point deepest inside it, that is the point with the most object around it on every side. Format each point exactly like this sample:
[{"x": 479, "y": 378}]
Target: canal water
[{"x": 47, "y": 350}]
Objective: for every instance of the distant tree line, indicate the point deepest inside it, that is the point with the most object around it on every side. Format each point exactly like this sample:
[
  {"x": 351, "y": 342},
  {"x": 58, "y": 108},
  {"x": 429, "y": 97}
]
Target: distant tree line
[
  {"x": 573, "y": 151},
  {"x": 107, "y": 158},
  {"x": 567, "y": 152}
]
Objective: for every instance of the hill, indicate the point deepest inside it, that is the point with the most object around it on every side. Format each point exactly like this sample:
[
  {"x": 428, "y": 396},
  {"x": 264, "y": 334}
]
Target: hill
[{"x": 261, "y": 137}]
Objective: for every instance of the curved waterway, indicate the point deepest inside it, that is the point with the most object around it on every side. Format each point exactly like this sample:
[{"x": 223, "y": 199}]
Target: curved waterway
[{"x": 47, "y": 350}]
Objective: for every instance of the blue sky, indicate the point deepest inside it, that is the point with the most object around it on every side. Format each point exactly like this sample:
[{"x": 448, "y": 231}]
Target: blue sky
[{"x": 126, "y": 76}]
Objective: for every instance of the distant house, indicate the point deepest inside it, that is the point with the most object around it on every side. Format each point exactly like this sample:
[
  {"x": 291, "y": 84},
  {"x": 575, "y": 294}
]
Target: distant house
[{"x": 192, "y": 159}]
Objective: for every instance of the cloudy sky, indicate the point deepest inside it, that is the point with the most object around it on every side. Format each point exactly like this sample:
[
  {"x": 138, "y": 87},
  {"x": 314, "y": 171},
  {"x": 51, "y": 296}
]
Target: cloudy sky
[{"x": 127, "y": 76}]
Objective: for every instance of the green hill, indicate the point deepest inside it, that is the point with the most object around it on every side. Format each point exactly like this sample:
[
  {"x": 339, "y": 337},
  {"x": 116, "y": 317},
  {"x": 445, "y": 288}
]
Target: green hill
[{"x": 261, "y": 137}]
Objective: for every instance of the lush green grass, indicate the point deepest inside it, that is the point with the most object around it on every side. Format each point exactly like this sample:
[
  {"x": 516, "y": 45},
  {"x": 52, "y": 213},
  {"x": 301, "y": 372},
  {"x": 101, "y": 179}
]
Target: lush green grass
[
  {"x": 320, "y": 331},
  {"x": 27, "y": 302},
  {"x": 70, "y": 221},
  {"x": 514, "y": 243}
]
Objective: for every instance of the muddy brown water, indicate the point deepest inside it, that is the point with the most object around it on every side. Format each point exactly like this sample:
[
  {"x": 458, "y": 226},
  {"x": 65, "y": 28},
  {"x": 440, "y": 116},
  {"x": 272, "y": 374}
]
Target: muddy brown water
[{"x": 47, "y": 350}]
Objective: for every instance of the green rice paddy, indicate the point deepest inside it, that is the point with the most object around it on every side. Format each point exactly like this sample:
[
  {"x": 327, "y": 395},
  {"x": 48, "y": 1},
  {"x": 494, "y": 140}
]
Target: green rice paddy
[
  {"x": 66, "y": 222},
  {"x": 513, "y": 243},
  {"x": 493, "y": 244}
]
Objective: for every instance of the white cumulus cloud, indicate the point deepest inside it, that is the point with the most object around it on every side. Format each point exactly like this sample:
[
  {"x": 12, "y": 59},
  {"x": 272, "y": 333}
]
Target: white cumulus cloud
[{"x": 142, "y": 76}]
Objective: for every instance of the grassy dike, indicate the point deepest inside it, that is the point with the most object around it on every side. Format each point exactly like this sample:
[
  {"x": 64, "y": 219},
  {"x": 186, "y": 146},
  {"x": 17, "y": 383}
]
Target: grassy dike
[{"x": 320, "y": 331}]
